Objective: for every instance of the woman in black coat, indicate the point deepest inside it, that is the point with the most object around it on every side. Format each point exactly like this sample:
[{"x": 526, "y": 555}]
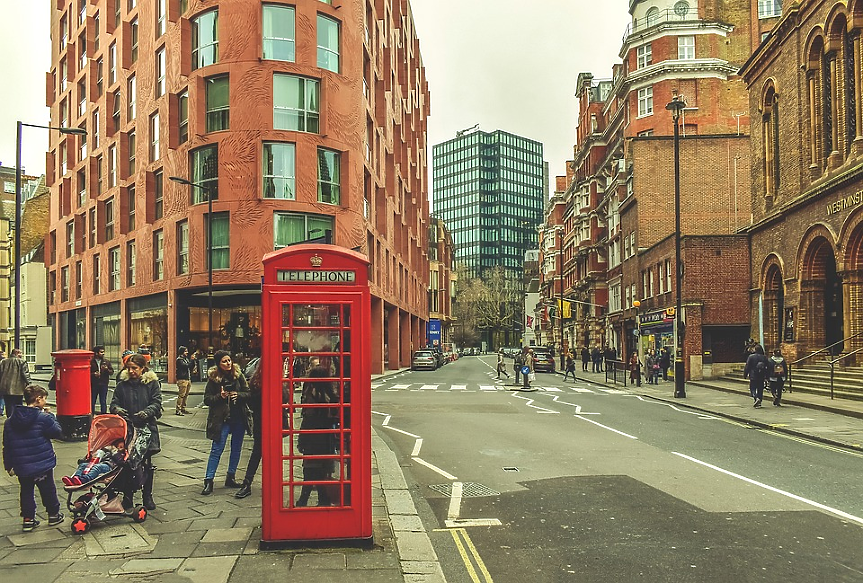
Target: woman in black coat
[
  {"x": 227, "y": 396},
  {"x": 138, "y": 398},
  {"x": 256, "y": 375},
  {"x": 318, "y": 444}
]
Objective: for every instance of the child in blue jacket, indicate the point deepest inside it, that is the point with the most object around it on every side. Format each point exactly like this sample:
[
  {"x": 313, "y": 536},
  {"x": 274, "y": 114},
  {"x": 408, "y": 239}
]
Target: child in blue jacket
[{"x": 29, "y": 455}]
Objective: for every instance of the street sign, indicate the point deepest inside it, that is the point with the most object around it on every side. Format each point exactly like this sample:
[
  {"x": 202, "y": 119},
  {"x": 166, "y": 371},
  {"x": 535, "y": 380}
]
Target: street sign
[{"x": 525, "y": 370}]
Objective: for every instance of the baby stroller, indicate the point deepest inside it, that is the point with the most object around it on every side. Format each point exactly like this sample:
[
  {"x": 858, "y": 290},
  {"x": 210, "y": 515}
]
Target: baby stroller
[{"x": 99, "y": 498}]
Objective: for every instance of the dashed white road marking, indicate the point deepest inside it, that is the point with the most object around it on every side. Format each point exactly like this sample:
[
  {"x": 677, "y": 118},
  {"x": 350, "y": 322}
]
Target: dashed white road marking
[
  {"x": 455, "y": 501},
  {"x": 552, "y": 389},
  {"x": 400, "y": 387},
  {"x": 428, "y": 388},
  {"x": 458, "y": 387},
  {"x": 487, "y": 388},
  {"x": 606, "y": 427},
  {"x": 434, "y": 468},
  {"x": 581, "y": 390}
]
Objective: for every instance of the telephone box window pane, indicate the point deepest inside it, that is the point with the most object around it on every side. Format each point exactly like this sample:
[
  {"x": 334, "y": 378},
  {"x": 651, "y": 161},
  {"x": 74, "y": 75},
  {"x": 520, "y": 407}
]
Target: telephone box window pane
[
  {"x": 346, "y": 319},
  {"x": 286, "y": 321}
]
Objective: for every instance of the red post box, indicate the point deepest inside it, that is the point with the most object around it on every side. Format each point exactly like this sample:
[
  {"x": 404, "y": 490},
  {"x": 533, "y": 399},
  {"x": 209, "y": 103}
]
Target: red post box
[
  {"x": 72, "y": 381},
  {"x": 316, "y": 397}
]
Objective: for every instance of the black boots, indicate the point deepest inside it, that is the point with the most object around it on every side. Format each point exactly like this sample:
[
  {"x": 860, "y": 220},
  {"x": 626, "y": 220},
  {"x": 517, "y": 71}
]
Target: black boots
[
  {"x": 208, "y": 487},
  {"x": 230, "y": 482},
  {"x": 245, "y": 491},
  {"x": 147, "y": 491}
]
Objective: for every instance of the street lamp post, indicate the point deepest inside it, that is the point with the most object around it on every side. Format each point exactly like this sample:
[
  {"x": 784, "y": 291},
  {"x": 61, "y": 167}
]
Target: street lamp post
[
  {"x": 676, "y": 106},
  {"x": 637, "y": 304},
  {"x": 19, "y": 203},
  {"x": 207, "y": 191}
]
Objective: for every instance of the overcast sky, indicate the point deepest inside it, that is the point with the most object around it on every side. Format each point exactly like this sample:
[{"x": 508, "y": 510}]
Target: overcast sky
[{"x": 504, "y": 64}]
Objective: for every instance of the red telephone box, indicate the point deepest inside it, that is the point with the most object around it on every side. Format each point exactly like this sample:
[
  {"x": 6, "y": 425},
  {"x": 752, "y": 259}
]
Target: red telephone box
[{"x": 316, "y": 396}]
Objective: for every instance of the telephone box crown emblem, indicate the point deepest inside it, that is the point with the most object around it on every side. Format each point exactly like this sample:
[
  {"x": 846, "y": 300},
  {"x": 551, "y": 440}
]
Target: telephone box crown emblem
[{"x": 316, "y": 260}]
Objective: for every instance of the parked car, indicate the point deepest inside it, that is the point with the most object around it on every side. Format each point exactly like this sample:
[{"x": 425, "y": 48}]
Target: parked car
[
  {"x": 424, "y": 360},
  {"x": 440, "y": 358},
  {"x": 543, "y": 361}
]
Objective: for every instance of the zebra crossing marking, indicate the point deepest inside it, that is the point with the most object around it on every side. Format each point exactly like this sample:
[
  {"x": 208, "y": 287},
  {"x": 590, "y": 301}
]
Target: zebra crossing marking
[
  {"x": 488, "y": 388},
  {"x": 428, "y": 388},
  {"x": 458, "y": 387}
]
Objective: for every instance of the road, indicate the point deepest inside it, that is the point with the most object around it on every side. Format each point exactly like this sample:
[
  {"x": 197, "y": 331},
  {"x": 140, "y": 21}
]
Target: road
[{"x": 583, "y": 483}]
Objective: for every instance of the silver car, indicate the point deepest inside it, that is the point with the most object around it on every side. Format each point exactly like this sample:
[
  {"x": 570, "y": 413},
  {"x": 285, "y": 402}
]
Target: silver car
[{"x": 424, "y": 359}]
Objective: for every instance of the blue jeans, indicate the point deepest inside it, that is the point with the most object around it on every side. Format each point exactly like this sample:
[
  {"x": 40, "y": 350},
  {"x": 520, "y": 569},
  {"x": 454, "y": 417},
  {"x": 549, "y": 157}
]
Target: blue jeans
[
  {"x": 47, "y": 491},
  {"x": 237, "y": 430}
]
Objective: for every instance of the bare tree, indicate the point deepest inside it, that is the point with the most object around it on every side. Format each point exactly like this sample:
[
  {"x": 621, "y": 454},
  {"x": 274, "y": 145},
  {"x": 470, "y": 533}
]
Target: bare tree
[{"x": 492, "y": 304}]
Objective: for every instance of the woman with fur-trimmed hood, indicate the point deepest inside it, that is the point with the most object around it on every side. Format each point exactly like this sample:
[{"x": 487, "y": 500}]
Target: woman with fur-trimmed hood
[
  {"x": 226, "y": 395},
  {"x": 138, "y": 398}
]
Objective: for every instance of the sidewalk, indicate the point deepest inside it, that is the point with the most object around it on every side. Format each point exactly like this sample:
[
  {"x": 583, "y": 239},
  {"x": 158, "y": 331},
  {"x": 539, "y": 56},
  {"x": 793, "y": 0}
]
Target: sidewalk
[
  {"x": 832, "y": 421},
  {"x": 195, "y": 539}
]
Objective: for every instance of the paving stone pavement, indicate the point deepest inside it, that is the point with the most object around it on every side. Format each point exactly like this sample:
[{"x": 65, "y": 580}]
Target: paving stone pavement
[{"x": 192, "y": 539}]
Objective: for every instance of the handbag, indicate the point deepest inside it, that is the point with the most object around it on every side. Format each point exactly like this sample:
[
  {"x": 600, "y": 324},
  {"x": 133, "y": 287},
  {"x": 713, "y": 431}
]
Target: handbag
[{"x": 531, "y": 376}]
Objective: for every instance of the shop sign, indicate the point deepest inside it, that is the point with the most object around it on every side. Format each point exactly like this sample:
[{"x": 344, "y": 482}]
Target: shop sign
[{"x": 657, "y": 317}]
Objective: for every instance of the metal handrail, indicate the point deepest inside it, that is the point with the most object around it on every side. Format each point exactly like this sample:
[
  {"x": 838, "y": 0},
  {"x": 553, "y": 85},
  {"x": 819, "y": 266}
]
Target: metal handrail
[{"x": 832, "y": 363}]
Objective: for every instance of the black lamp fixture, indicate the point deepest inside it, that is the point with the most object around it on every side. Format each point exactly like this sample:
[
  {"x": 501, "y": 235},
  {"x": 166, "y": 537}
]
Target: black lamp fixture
[
  {"x": 19, "y": 203},
  {"x": 206, "y": 190},
  {"x": 676, "y": 106}
]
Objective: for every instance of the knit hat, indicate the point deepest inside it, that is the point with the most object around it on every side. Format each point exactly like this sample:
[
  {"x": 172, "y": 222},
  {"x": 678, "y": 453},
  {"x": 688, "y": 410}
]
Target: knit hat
[{"x": 126, "y": 355}]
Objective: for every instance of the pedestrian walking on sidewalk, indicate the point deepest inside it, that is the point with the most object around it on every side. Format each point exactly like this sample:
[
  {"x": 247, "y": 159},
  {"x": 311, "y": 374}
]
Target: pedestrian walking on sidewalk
[
  {"x": 664, "y": 362},
  {"x": 634, "y": 369},
  {"x": 185, "y": 370},
  {"x": 100, "y": 373},
  {"x": 138, "y": 399},
  {"x": 570, "y": 367},
  {"x": 227, "y": 396},
  {"x": 14, "y": 378},
  {"x": 254, "y": 372},
  {"x": 756, "y": 371},
  {"x": 585, "y": 358},
  {"x": 501, "y": 365},
  {"x": 777, "y": 370},
  {"x": 28, "y": 454}
]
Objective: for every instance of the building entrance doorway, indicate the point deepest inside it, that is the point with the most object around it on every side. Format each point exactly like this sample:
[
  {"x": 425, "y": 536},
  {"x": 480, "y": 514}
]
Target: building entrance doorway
[{"x": 821, "y": 298}]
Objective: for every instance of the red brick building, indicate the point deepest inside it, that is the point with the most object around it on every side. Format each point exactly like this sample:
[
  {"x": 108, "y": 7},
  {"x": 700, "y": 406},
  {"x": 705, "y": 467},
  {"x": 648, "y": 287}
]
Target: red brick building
[
  {"x": 302, "y": 121},
  {"x": 806, "y": 224},
  {"x": 620, "y": 216}
]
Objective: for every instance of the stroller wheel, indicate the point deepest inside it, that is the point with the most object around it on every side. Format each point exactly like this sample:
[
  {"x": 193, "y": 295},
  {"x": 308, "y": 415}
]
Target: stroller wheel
[
  {"x": 139, "y": 514},
  {"x": 80, "y": 526}
]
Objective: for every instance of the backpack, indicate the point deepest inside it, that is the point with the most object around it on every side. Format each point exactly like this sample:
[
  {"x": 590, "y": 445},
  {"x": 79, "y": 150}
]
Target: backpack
[
  {"x": 779, "y": 369},
  {"x": 761, "y": 367}
]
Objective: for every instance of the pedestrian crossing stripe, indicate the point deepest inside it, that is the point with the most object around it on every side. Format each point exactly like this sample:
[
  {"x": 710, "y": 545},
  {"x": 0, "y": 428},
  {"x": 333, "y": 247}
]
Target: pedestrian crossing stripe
[
  {"x": 489, "y": 388},
  {"x": 428, "y": 387},
  {"x": 458, "y": 387}
]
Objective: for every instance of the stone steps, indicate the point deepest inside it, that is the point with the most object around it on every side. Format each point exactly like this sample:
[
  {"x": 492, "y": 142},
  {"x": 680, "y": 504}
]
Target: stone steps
[{"x": 815, "y": 379}]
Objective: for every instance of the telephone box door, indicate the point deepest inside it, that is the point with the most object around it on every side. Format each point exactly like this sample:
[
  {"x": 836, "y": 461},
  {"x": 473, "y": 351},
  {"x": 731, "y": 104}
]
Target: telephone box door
[{"x": 316, "y": 413}]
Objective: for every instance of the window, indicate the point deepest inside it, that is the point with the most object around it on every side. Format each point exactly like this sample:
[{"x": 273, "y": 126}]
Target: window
[
  {"x": 96, "y": 27},
  {"x": 130, "y": 197},
  {"x": 52, "y": 287},
  {"x": 79, "y": 279},
  {"x": 64, "y": 113},
  {"x": 132, "y": 97},
  {"x": 82, "y": 187},
  {"x": 770, "y": 142},
  {"x": 295, "y": 103},
  {"x": 685, "y": 47},
  {"x": 82, "y": 52},
  {"x": 154, "y": 137},
  {"x": 70, "y": 238},
  {"x": 184, "y": 5},
  {"x": 133, "y": 30},
  {"x": 652, "y": 16},
  {"x": 183, "y": 116},
  {"x": 112, "y": 63},
  {"x": 112, "y": 165},
  {"x": 217, "y": 104},
  {"x": 182, "y": 247},
  {"x": 160, "y": 72},
  {"x": 133, "y": 144},
  {"x": 52, "y": 238},
  {"x": 221, "y": 241},
  {"x": 329, "y": 176},
  {"x": 205, "y": 171},
  {"x": 158, "y": 194},
  {"x": 290, "y": 228},
  {"x": 82, "y": 12},
  {"x": 64, "y": 284},
  {"x": 109, "y": 219},
  {"x": 132, "y": 4},
  {"x": 116, "y": 13},
  {"x": 644, "y": 56},
  {"x": 328, "y": 43},
  {"x": 114, "y": 264},
  {"x": 160, "y": 18},
  {"x": 279, "y": 170},
  {"x": 93, "y": 227},
  {"x": 668, "y": 275},
  {"x": 63, "y": 163},
  {"x": 97, "y": 274},
  {"x": 82, "y": 98},
  {"x": 279, "y": 32},
  {"x": 100, "y": 187},
  {"x": 645, "y": 101},
  {"x": 130, "y": 263},
  {"x": 100, "y": 66},
  {"x": 769, "y": 8},
  {"x": 205, "y": 39},
  {"x": 115, "y": 111},
  {"x": 650, "y": 277},
  {"x": 64, "y": 31},
  {"x": 158, "y": 255},
  {"x": 64, "y": 74}
]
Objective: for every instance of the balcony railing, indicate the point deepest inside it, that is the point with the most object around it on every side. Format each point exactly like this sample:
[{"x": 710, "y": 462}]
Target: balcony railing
[{"x": 660, "y": 17}]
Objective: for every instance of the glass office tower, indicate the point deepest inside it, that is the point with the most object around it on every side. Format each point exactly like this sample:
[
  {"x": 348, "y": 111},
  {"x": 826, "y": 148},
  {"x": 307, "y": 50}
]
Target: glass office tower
[{"x": 488, "y": 190}]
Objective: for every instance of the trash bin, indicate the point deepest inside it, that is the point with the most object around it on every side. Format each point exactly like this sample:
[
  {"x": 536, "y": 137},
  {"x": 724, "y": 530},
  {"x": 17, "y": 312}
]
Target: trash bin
[{"x": 72, "y": 382}]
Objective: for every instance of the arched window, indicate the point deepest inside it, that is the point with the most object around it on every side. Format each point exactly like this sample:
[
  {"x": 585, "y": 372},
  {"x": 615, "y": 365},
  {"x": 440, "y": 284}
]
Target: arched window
[
  {"x": 849, "y": 63},
  {"x": 652, "y": 16},
  {"x": 826, "y": 105},
  {"x": 814, "y": 74},
  {"x": 770, "y": 140}
]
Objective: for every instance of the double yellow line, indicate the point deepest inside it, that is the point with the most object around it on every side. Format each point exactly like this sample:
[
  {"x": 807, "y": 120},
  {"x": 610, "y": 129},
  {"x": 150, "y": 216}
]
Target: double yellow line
[{"x": 472, "y": 561}]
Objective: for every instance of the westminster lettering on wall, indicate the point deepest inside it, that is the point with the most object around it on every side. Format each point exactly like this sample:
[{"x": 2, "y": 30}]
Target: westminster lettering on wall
[{"x": 844, "y": 203}]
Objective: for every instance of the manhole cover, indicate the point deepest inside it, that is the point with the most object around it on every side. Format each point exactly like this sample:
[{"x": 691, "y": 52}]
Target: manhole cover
[{"x": 469, "y": 490}]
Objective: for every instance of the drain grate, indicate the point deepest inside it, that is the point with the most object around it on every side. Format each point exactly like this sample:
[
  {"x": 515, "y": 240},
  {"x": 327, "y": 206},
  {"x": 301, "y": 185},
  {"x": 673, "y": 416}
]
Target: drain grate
[{"x": 469, "y": 490}]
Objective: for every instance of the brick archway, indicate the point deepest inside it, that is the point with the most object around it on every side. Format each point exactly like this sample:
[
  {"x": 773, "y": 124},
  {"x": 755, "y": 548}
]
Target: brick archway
[
  {"x": 774, "y": 304},
  {"x": 852, "y": 289},
  {"x": 821, "y": 296}
]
